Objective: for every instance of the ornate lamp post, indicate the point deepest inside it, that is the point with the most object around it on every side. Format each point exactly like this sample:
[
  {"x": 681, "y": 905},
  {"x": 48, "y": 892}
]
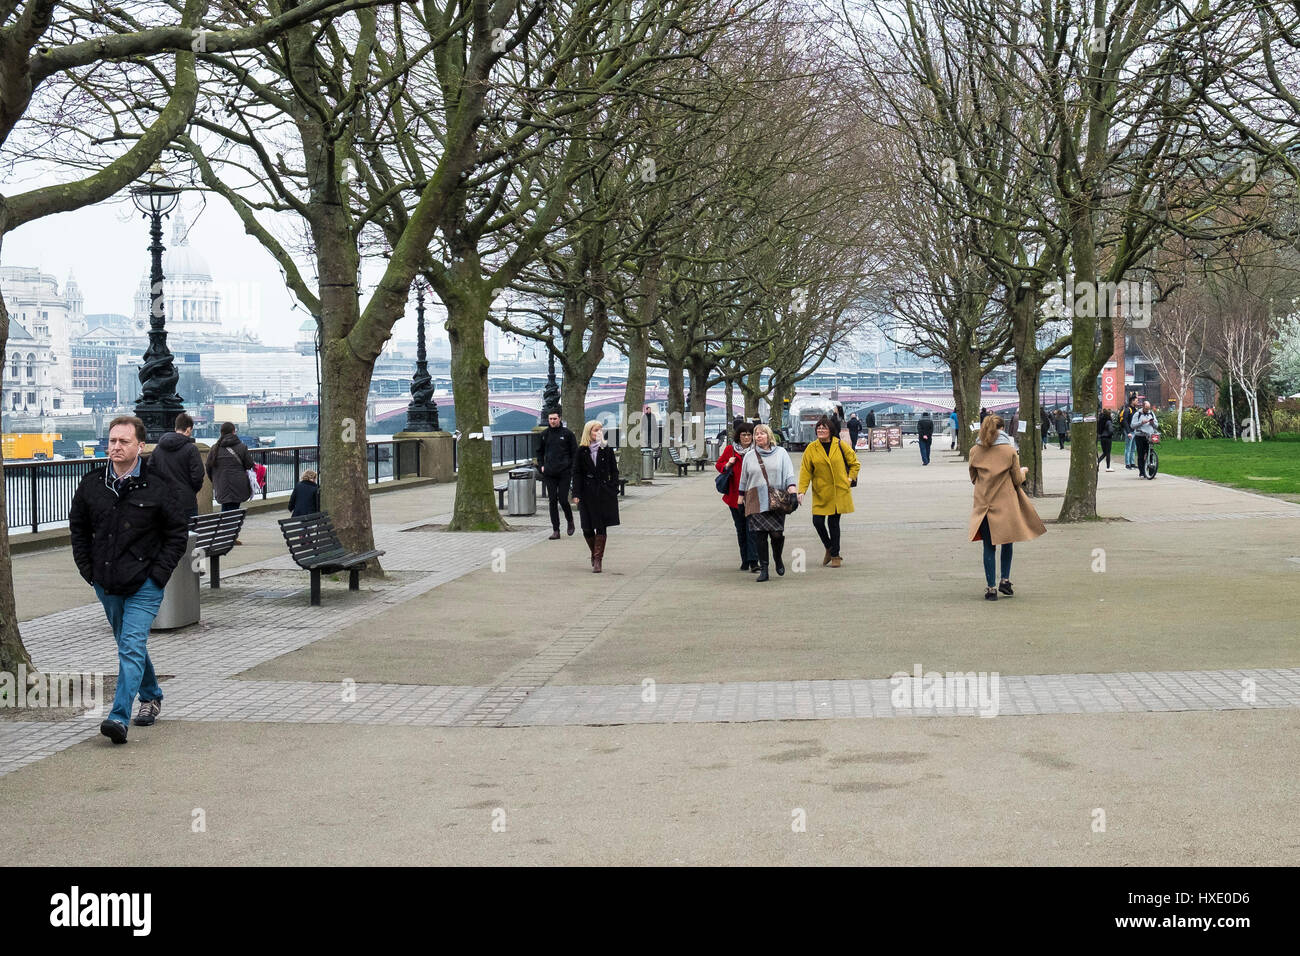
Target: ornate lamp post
[
  {"x": 159, "y": 404},
  {"x": 422, "y": 412},
  {"x": 551, "y": 393}
]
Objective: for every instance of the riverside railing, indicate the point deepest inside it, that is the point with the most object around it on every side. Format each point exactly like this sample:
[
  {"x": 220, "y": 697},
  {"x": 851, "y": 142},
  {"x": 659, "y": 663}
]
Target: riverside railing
[{"x": 39, "y": 493}]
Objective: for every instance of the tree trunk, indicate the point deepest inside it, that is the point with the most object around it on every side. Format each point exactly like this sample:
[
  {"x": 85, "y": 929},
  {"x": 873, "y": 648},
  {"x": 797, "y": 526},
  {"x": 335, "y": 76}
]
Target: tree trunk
[
  {"x": 476, "y": 503},
  {"x": 573, "y": 399},
  {"x": 699, "y": 404},
  {"x": 12, "y": 651},
  {"x": 344, "y": 458},
  {"x": 676, "y": 407},
  {"x": 965, "y": 371},
  {"x": 629, "y": 455},
  {"x": 1029, "y": 365},
  {"x": 749, "y": 387},
  {"x": 731, "y": 402}
]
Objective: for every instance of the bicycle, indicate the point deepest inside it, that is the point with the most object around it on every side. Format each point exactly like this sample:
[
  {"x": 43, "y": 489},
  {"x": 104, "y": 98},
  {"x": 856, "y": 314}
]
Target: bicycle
[{"x": 1153, "y": 460}]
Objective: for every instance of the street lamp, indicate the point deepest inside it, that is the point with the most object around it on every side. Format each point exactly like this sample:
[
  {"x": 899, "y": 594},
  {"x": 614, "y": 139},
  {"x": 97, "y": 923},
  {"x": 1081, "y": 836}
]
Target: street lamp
[
  {"x": 422, "y": 412},
  {"x": 551, "y": 393},
  {"x": 159, "y": 404}
]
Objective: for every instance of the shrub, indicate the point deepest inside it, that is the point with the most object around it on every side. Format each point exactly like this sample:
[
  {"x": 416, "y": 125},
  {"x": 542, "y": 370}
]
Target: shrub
[{"x": 1196, "y": 424}]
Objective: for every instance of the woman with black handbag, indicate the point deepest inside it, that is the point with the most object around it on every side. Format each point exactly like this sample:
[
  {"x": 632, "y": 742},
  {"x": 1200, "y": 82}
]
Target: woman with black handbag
[
  {"x": 831, "y": 471},
  {"x": 728, "y": 485},
  {"x": 595, "y": 490},
  {"x": 768, "y": 484}
]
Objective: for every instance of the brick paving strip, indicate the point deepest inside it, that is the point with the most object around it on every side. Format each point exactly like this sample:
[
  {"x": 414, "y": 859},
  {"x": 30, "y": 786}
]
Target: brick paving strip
[{"x": 243, "y": 628}]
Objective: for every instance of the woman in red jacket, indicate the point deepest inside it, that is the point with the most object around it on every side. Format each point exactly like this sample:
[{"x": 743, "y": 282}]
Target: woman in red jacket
[{"x": 730, "y": 460}]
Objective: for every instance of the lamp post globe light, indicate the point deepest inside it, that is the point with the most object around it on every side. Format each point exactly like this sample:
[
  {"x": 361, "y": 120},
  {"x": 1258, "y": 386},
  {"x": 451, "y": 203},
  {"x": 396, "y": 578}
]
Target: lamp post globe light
[
  {"x": 422, "y": 412},
  {"x": 159, "y": 404}
]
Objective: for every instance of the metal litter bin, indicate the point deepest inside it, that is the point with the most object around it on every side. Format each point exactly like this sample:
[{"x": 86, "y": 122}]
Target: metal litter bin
[
  {"x": 521, "y": 492},
  {"x": 180, "y": 603},
  {"x": 711, "y": 449},
  {"x": 647, "y": 464}
]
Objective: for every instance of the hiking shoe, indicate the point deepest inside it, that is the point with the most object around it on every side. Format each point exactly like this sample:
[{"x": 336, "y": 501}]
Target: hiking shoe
[
  {"x": 148, "y": 713},
  {"x": 836, "y": 562},
  {"x": 114, "y": 730}
]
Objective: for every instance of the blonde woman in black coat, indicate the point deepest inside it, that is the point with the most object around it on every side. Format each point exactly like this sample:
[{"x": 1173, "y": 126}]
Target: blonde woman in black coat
[{"x": 595, "y": 489}]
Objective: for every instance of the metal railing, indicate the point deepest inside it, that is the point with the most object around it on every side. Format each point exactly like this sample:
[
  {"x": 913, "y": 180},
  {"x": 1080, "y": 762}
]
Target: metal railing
[
  {"x": 40, "y": 493},
  {"x": 513, "y": 448}
]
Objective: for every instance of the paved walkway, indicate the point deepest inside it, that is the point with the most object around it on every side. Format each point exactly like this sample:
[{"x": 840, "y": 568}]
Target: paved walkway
[{"x": 472, "y": 632}]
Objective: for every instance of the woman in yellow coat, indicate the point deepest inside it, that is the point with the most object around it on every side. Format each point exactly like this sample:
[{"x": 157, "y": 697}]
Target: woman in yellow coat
[
  {"x": 1002, "y": 512},
  {"x": 832, "y": 468}
]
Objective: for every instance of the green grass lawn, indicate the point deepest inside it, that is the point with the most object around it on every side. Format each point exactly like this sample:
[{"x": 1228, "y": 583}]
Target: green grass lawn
[{"x": 1271, "y": 466}]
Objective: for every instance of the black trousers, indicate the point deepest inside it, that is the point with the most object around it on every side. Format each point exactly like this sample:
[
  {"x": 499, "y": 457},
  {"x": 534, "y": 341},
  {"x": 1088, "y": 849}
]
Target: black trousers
[
  {"x": 230, "y": 505},
  {"x": 1143, "y": 444},
  {"x": 744, "y": 537},
  {"x": 778, "y": 545},
  {"x": 1105, "y": 451},
  {"x": 831, "y": 538},
  {"x": 1060, "y": 437},
  {"x": 557, "y": 491}
]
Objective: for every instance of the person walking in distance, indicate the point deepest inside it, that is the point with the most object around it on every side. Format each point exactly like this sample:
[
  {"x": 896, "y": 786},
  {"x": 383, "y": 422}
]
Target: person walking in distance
[
  {"x": 228, "y": 465},
  {"x": 1046, "y": 425},
  {"x": 832, "y": 469},
  {"x": 305, "y": 498},
  {"x": 766, "y": 465},
  {"x": 1002, "y": 513},
  {"x": 729, "y": 463},
  {"x": 1105, "y": 435},
  {"x": 129, "y": 527},
  {"x": 952, "y": 423},
  {"x": 855, "y": 429},
  {"x": 925, "y": 436},
  {"x": 595, "y": 490},
  {"x": 1144, "y": 426},
  {"x": 871, "y": 418},
  {"x": 557, "y": 450},
  {"x": 1126, "y": 429},
  {"x": 177, "y": 458}
]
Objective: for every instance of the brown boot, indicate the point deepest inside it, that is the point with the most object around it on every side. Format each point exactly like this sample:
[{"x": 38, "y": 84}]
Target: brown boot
[
  {"x": 598, "y": 553},
  {"x": 591, "y": 546}
]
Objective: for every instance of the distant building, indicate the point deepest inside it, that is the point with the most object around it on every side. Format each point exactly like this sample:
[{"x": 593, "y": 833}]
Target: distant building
[
  {"x": 51, "y": 318},
  {"x": 27, "y": 387}
]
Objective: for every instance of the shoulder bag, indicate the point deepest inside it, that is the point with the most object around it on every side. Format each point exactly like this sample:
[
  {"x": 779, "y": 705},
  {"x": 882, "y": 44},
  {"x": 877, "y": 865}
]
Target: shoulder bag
[
  {"x": 853, "y": 482},
  {"x": 778, "y": 500}
]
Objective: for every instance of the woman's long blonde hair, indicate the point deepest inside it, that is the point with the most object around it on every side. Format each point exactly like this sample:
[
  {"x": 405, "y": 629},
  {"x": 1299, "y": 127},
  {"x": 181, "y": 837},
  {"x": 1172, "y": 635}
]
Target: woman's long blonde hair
[
  {"x": 989, "y": 429},
  {"x": 586, "y": 432}
]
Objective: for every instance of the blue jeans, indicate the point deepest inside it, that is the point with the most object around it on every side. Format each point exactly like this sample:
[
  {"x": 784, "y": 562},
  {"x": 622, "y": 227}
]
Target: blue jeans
[
  {"x": 925, "y": 450},
  {"x": 131, "y": 616},
  {"x": 1130, "y": 450},
  {"x": 990, "y": 555}
]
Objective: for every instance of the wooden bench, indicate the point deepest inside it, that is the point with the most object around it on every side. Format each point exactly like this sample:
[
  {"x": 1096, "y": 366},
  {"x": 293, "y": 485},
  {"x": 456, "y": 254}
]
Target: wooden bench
[
  {"x": 315, "y": 547},
  {"x": 217, "y": 533},
  {"x": 683, "y": 466},
  {"x": 701, "y": 462}
]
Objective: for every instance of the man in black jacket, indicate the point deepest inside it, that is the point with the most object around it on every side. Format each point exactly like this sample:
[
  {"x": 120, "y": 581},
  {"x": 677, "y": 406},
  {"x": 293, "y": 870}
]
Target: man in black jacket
[
  {"x": 177, "y": 458},
  {"x": 924, "y": 436},
  {"x": 556, "y": 451},
  {"x": 129, "y": 531}
]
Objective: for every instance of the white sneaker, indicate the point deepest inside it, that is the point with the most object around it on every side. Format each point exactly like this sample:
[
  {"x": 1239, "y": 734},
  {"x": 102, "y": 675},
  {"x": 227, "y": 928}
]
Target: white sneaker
[{"x": 1110, "y": 469}]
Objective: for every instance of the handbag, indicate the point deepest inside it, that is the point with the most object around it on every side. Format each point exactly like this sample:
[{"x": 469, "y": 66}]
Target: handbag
[
  {"x": 853, "y": 482},
  {"x": 723, "y": 482},
  {"x": 778, "y": 500}
]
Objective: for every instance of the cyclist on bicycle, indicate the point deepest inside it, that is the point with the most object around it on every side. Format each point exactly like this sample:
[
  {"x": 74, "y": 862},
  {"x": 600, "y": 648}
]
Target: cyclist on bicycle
[{"x": 1144, "y": 426}]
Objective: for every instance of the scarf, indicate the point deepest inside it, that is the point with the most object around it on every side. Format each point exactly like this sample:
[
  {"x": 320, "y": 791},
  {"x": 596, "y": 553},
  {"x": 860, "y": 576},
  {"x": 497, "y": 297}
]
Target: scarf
[
  {"x": 595, "y": 449},
  {"x": 1002, "y": 439}
]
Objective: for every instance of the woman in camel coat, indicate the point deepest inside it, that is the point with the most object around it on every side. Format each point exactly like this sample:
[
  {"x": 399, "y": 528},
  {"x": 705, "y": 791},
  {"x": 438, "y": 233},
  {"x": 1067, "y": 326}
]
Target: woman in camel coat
[{"x": 1003, "y": 513}]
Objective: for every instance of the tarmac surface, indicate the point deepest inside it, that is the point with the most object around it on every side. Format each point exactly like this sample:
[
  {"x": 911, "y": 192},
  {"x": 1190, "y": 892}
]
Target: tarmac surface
[{"x": 507, "y": 706}]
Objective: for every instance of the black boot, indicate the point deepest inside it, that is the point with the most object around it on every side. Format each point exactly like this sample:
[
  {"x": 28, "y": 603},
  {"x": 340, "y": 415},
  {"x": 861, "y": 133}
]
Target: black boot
[
  {"x": 762, "y": 571},
  {"x": 778, "y": 545}
]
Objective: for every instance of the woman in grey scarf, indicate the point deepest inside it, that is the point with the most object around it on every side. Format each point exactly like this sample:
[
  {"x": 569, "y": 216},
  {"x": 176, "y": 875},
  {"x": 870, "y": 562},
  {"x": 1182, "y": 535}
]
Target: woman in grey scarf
[{"x": 763, "y": 521}]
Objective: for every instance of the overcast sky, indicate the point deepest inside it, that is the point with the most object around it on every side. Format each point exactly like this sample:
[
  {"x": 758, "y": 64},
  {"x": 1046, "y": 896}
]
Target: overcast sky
[{"x": 106, "y": 247}]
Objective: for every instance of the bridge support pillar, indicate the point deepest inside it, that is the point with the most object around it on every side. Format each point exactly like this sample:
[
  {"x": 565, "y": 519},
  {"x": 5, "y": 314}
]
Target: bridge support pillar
[{"x": 435, "y": 454}]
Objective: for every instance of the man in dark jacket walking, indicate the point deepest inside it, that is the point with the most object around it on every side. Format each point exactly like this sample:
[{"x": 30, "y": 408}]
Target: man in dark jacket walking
[
  {"x": 924, "y": 436},
  {"x": 177, "y": 458},
  {"x": 556, "y": 451},
  {"x": 129, "y": 530},
  {"x": 855, "y": 428}
]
